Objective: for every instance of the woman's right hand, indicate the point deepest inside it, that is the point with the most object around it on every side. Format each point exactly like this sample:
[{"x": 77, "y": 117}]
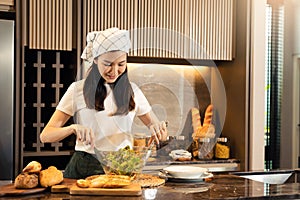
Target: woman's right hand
[
  {"x": 159, "y": 132},
  {"x": 83, "y": 134}
]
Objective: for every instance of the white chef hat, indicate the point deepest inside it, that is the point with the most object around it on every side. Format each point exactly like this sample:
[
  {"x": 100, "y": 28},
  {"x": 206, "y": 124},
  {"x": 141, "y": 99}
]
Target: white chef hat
[{"x": 99, "y": 42}]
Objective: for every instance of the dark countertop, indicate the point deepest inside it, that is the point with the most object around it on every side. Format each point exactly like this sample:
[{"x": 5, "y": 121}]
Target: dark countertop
[
  {"x": 223, "y": 186},
  {"x": 167, "y": 160}
]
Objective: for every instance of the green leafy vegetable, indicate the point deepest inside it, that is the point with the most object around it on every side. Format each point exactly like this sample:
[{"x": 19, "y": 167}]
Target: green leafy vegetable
[{"x": 125, "y": 161}]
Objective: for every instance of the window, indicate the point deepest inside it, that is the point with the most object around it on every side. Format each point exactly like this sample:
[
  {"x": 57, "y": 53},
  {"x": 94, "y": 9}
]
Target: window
[{"x": 273, "y": 85}]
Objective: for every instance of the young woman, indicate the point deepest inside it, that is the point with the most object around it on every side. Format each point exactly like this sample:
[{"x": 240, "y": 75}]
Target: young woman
[{"x": 103, "y": 105}]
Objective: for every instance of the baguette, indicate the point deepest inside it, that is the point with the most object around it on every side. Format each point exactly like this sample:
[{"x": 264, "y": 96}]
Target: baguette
[
  {"x": 196, "y": 121},
  {"x": 208, "y": 115},
  {"x": 110, "y": 181}
]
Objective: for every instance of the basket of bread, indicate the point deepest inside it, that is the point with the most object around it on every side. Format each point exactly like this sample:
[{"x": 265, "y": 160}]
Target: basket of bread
[{"x": 33, "y": 176}]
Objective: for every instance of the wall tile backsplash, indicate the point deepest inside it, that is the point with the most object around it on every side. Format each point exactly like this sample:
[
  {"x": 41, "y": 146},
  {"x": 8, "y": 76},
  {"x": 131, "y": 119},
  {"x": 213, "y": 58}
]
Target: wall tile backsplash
[{"x": 172, "y": 90}]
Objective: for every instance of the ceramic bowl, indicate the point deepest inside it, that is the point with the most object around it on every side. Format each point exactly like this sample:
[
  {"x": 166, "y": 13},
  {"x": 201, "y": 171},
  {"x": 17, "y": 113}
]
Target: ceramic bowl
[{"x": 185, "y": 171}]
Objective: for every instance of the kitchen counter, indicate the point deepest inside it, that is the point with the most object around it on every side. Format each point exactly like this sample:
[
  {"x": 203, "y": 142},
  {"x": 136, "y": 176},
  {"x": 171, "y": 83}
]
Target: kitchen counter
[
  {"x": 226, "y": 165},
  {"x": 223, "y": 186}
]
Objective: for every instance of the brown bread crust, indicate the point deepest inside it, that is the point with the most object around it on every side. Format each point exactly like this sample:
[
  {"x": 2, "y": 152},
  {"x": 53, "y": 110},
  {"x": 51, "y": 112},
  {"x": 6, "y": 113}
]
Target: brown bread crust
[
  {"x": 26, "y": 180},
  {"x": 51, "y": 176}
]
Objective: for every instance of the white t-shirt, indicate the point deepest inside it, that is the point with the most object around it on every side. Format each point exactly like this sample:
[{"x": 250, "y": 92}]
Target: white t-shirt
[{"x": 111, "y": 132}]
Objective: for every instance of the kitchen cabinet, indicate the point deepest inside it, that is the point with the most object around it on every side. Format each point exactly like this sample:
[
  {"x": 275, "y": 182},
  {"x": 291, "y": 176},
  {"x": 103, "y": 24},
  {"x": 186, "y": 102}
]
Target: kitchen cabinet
[
  {"x": 168, "y": 29},
  {"x": 201, "y": 30},
  {"x": 6, "y": 5}
]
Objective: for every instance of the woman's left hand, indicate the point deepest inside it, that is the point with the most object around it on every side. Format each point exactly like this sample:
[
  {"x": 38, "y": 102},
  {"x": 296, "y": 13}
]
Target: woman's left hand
[{"x": 159, "y": 132}]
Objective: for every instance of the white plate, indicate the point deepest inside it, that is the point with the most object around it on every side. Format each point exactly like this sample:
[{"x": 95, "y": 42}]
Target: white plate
[
  {"x": 204, "y": 176},
  {"x": 185, "y": 171}
]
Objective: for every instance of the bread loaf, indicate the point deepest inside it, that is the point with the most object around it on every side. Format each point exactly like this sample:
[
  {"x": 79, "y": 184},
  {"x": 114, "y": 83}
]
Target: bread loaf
[
  {"x": 51, "y": 176},
  {"x": 26, "y": 180}
]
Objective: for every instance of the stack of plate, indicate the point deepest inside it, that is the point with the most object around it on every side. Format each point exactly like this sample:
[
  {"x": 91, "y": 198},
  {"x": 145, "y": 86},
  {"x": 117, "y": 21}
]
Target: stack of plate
[{"x": 185, "y": 173}]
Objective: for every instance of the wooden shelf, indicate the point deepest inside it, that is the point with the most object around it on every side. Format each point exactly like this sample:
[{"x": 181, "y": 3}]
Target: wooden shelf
[{"x": 47, "y": 153}]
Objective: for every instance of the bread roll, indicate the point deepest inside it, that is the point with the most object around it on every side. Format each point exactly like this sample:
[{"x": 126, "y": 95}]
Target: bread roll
[
  {"x": 51, "y": 176},
  {"x": 26, "y": 180},
  {"x": 83, "y": 183},
  {"x": 33, "y": 167}
]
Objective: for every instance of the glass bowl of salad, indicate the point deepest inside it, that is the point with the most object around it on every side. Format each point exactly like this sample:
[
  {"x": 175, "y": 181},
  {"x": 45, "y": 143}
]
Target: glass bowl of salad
[{"x": 128, "y": 161}]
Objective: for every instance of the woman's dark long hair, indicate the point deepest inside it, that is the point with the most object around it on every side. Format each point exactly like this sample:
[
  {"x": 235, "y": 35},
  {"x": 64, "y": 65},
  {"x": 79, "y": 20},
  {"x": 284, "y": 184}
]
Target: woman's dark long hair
[{"x": 94, "y": 92}]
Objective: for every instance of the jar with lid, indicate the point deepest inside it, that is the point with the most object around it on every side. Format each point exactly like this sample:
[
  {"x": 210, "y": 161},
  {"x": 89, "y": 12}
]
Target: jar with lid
[
  {"x": 206, "y": 148},
  {"x": 222, "y": 148},
  {"x": 139, "y": 139}
]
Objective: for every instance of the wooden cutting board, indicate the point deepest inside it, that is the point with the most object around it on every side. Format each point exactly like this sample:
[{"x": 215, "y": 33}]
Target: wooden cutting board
[
  {"x": 63, "y": 187},
  {"x": 10, "y": 190},
  {"x": 130, "y": 190}
]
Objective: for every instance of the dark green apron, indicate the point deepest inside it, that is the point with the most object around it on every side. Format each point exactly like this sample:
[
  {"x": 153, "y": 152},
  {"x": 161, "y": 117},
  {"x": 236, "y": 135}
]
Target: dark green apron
[{"x": 82, "y": 165}]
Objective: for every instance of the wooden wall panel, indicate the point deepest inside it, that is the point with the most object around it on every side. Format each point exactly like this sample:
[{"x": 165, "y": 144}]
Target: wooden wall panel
[
  {"x": 50, "y": 24},
  {"x": 196, "y": 29}
]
